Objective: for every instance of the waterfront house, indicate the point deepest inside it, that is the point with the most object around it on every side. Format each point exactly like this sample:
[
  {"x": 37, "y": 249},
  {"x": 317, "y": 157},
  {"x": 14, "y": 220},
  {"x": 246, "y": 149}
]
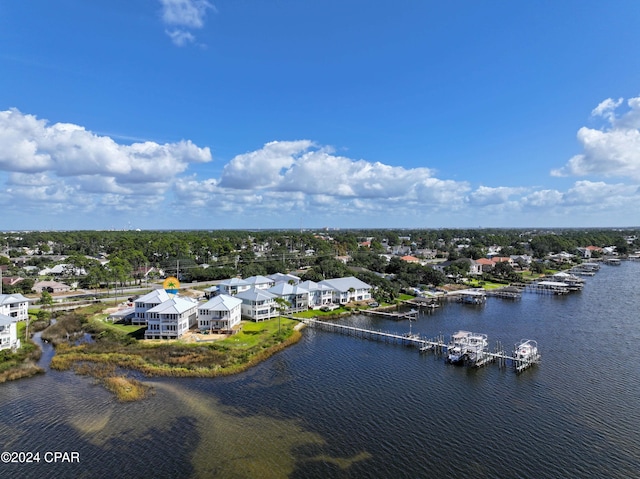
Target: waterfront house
[
  {"x": 319, "y": 294},
  {"x": 15, "y": 306},
  {"x": 348, "y": 289},
  {"x": 258, "y": 304},
  {"x": 147, "y": 302},
  {"x": 171, "y": 319},
  {"x": 295, "y": 295},
  {"x": 220, "y": 314},
  {"x": 8, "y": 333}
]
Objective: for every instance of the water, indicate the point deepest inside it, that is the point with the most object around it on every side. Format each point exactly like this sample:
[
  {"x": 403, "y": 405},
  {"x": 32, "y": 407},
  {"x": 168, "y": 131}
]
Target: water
[{"x": 337, "y": 406}]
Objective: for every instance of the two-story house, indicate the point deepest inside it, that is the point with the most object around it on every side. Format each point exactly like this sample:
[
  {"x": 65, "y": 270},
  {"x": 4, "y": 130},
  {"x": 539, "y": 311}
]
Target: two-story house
[
  {"x": 172, "y": 318},
  {"x": 220, "y": 314},
  {"x": 8, "y": 333}
]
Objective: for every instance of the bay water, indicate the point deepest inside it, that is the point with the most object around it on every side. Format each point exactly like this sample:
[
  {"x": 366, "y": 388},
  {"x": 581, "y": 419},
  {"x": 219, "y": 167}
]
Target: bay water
[{"x": 338, "y": 406}]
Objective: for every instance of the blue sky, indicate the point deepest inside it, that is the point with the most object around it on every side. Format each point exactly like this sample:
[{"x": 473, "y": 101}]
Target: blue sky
[{"x": 163, "y": 114}]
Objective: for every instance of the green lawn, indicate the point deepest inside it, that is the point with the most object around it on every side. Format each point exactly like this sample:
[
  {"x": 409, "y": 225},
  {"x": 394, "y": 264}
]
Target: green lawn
[{"x": 252, "y": 333}]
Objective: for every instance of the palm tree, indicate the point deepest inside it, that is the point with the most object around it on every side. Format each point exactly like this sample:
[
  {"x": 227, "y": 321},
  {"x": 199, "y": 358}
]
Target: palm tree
[{"x": 282, "y": 305}]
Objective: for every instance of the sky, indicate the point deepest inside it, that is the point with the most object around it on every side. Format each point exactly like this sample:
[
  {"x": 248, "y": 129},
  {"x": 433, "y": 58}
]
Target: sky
[{"x": 258, "y": 114}]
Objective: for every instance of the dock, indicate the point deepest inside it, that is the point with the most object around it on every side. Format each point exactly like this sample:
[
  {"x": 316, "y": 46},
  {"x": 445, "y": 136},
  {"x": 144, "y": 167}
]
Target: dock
[
  {"x": 436, "y": 345},
  {"x": 411, "y": 315}
]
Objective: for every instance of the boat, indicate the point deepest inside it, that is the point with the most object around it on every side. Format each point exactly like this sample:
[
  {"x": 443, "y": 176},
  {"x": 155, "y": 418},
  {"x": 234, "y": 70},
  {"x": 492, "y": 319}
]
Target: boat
[
  {"x": 467, "y": 348},
  {"x": 526, "y": 351}
]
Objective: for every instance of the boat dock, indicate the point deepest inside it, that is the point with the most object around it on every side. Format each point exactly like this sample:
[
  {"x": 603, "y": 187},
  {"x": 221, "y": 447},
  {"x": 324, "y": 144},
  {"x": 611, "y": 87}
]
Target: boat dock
[
  {"x": 436, "y": 345},
  {"x": 397, "y": 315}
]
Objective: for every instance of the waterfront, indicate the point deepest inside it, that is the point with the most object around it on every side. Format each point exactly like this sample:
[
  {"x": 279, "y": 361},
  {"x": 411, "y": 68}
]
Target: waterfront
[{"x": 337, "y": 406}]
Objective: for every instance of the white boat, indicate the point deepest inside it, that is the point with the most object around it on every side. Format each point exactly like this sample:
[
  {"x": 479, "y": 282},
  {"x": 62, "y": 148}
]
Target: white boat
[
  {"x": 466, "y": 347},
  {"x": 526, "y": 351}
]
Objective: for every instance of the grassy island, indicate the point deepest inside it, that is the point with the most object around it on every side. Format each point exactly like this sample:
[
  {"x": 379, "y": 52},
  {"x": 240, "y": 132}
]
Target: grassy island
[{"x": 116, "y": 347}]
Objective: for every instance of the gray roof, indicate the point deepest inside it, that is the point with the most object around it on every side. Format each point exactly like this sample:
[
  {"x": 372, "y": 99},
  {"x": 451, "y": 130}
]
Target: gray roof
[
  {"x": 344, "y": 284},
  {"x": 254, "y": 294},
  {"x": 284, "y": 289},
  {"x": 13, "y": 298},
  {"x": 155, "y": 296},
  {"x": 6, "y": 320},
  {"x": 224, "y": 302},
  {"x": 176, "y": 305}
]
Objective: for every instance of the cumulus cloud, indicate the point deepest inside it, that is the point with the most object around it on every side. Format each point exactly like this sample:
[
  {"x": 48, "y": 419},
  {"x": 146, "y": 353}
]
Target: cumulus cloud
[
  {"x": 64, "y": 161},
  {"x": 485, "y": 195},
  {"x": 301, "y": 177},
  {"x": 182, "y": 16},
  {"x": 610, "y": 151}
]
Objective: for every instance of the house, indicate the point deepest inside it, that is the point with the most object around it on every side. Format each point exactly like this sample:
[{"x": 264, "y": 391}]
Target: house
[
  {"x": 51, "y": 287},
  {"x": 220, "y": 314},
  {"x": 348, "y": 289},
  {"x": 258, "y": 304},
  {"x": 259, "y": 282},
  {"x": 8, "y": 333},
  {"x": 147, "y": 302},
  {"x": 11, "y": 280},
  {"x": 486, "y": 264},
  {"x": 295, "y": 295},
  {"x": 319, "y": 294},
  {"x": 15, "y": 306},
  {"x": 233, "y": 286},
  {"x": 410, "y": 259},
  {"x": 171, "y": 319}
]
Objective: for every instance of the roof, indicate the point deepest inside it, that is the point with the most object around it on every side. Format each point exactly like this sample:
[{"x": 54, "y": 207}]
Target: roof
[
  {"x": 155, "y": 296},
  {"x": 256, "y": 295},
  {"x": 6, "y": 320},
  {"x": 223, "y": 302},
  {"x": 281, "y": 277},
  {"x": 259, "y": 279},
  {"x": 313, "y": 286},
  {"x": 176, "y": 305},
  {"x": 283, "y": 289},
  {"x": 12, "y": 298},
  {"x": 344, "y": 284},
  {"x": 234, "y": 282}
]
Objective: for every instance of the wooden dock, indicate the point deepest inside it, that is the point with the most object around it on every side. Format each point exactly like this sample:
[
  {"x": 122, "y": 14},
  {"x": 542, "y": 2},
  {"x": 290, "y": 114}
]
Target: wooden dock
[
  {"x": 397, "y": 315},
  {"x": 436, "y": 345}
]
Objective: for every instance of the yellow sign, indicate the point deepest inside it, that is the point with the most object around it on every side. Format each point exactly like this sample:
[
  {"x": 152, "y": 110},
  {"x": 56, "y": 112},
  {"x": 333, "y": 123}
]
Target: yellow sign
[{"x": 171, "y": 284}]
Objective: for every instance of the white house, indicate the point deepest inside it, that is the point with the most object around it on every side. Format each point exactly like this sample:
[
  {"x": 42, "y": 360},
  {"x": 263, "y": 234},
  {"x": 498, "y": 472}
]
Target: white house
[
  {"x": 319, "y": 294},
  {"x": 172, "y": 318},
  {"x": 258, "y": 304},
  {"x": 348, "y": 289},
  {"x": 220, "y": 314},
  {"x": 145, "y": 303},
  {"x": 15, "y": 306},
  {"x": 8, "y": 333},
  {"x": 233, "y": 286},
  {"x": 259, "y": 282},
  {"x": 295, "y": 295}
]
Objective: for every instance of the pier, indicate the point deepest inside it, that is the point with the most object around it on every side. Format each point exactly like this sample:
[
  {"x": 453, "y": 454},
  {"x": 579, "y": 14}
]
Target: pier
[
  {"x": 436, "y": 345},
  {"x": 410, "y": 315}
]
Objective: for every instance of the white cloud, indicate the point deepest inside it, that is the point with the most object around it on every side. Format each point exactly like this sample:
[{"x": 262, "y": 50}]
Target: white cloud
[
  {"x": 484, "y": 195},
  {"x": 63, "y": 162},
  {"x": 182, "y": 16},
  {"x": 610, "y": 151},
  {"x": 180, "y": 37}
]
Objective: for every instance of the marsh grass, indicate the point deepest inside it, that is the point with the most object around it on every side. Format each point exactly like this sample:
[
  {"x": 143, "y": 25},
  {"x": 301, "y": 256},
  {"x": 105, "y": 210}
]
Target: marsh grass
[{"x": 115, "y": 348}]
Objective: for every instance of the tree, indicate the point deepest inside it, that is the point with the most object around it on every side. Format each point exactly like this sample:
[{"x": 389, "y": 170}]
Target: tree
[
  {"x": 45, "y": 298},
  {"x": 282, "y": 305}
]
